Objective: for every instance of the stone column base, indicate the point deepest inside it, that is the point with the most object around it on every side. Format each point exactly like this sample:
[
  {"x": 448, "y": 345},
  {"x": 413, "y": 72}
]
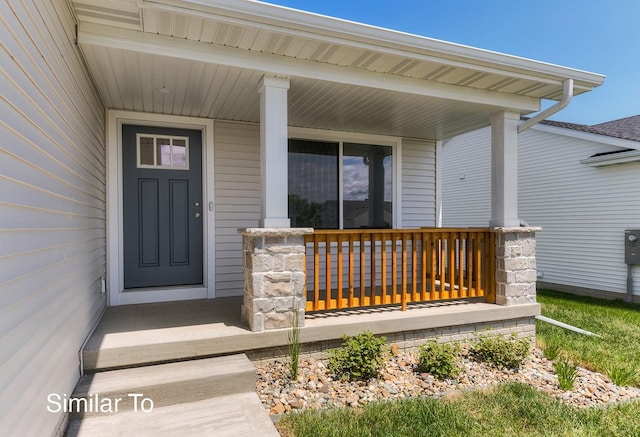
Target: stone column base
[
  {"x": 516, "y": 273},
  {"x": 274, "y": 276}
]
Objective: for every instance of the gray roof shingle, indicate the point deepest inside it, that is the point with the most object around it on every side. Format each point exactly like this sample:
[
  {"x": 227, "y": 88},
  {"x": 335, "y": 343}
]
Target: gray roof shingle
[{"x": 625, "y": 128}]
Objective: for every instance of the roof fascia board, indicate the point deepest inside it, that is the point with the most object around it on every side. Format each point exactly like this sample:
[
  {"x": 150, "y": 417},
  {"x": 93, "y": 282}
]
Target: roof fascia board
[
  {"x": 616, "y": 159},
  {"x": 596, "y": 138},
  {"x": 289, "y": 18},
  {"x": 125, "y": 39}
]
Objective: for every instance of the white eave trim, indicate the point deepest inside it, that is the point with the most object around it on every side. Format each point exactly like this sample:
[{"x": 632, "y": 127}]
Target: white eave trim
[
  {"x": 613, "y": 159},
  {"x": 587, "y": 136},
  {"x": 125, "y": 39},
  {"x": 379, "y": 39}
]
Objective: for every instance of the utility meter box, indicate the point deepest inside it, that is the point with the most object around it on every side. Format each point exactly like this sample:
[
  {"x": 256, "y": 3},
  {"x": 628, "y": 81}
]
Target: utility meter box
[{"x": 632, "y": 246}]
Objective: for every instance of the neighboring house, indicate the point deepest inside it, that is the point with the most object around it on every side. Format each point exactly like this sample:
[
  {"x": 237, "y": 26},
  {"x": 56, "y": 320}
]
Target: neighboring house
[
  {"x": 137, "y": 137},
  {"x": 581, "y": 184}
]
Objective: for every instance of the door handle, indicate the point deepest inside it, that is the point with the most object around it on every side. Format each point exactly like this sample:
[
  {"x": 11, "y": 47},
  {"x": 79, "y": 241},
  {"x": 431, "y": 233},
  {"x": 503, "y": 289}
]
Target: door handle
[{"x": 197, "y": 215}]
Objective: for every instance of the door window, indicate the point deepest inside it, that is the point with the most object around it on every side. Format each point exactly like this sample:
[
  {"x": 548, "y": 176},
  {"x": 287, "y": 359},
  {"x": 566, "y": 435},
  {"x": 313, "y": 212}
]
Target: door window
[{"x": 166, "y": 152}]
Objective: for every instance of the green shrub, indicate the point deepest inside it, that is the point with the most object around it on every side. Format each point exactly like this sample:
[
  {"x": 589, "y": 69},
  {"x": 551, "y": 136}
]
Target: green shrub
[
  {"x": 360, "y": 357},
  {"x": 502, "y": 352},
  {"x": 439, "y": 359},
  {"x": 567, "y": 373}
]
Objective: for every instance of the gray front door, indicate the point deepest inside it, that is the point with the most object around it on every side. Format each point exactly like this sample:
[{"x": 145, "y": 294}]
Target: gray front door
[{"x": 162, "y": 206}]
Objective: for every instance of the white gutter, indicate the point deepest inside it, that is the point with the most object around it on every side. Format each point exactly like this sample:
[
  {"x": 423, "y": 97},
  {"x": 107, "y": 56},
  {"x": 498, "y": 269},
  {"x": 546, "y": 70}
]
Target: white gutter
[{"x": 567, "y": 95}]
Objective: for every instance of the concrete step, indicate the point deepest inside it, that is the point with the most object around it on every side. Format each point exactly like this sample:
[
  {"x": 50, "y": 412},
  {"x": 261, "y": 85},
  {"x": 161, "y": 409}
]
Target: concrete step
[
  {"x": 118, "y": 391},
  {"x": 233, "y": 415}
]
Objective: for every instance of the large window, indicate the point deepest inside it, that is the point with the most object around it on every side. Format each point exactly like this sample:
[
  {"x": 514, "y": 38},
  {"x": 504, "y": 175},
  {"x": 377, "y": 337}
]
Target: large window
[{"x": 335, "y": 184}]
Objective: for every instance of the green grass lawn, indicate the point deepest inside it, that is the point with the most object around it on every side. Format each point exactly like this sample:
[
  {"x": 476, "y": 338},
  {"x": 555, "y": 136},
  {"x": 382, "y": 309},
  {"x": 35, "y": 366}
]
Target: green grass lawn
[
  {"x": 616, "y": 354},
  {"x": 512, "y": 409}
]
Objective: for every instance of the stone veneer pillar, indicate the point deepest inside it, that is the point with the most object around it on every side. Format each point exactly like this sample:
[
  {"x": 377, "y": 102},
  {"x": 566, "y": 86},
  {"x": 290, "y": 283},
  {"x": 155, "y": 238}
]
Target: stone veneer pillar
[
  {"x": 515, "y": 274},
  {"x": 274, "y": 276}
]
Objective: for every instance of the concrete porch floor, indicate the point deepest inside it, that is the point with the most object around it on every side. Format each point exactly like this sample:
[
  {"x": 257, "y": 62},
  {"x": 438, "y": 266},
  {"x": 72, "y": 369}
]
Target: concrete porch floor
[{"x": 136, "y": 335}]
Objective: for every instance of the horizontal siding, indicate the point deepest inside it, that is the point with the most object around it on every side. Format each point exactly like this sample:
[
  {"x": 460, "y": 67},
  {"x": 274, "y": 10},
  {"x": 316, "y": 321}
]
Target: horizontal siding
[
  {"x": 466, "y": 180},
  {"x": 582, "y": 210},
  {"x": 237, "y": 192},
  {"x": 52, "y": 211},
  {"x": 418, "y": 183}
]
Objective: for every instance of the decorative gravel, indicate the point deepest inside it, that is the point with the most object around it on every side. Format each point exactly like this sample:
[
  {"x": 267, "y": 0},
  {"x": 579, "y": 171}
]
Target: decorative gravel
[{"x": 317, "y": 388}]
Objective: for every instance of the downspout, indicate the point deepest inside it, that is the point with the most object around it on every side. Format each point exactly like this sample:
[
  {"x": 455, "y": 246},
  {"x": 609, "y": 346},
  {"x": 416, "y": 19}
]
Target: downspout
[{"x": 567, "y": 95}]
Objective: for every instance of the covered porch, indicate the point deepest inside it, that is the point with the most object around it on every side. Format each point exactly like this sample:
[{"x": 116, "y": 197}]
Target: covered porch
[{"x": 251, "y": 78}]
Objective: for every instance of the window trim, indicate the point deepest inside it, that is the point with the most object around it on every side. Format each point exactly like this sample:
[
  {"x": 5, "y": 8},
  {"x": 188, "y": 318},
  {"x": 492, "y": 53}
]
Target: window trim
[{"x": 298, "y": 133}]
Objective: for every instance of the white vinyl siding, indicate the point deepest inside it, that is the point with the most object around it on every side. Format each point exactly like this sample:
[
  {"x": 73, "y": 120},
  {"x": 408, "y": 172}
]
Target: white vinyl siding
[
  {"x": 418, "y": 183},
  {"x": 237, "y": 198},
  {"x": 52, "y": 211},
  {"x": 466, "y": 180},
  {"x": 582, "y": 210}
]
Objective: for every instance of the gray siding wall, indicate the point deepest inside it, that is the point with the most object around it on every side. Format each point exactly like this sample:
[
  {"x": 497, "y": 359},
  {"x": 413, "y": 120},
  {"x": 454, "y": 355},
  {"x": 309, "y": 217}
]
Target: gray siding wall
[
  {"x": 582, "y": 210},
  {"x": 418, "y": 183},
  {"x": 52, "y": 211},
  {"x": 237, "y": 196}
]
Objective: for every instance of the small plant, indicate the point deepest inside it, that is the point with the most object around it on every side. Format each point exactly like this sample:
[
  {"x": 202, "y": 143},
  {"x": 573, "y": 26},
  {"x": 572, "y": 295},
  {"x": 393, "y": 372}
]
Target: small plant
[
  {"x": 439, "y": 359},
  {"x": 502, "y": 352},
  {"x": 551, "y": 350},
  {"x": 622, "y": 376},
  {"x": 359, "y": 358},
  {"x": 293, "y": 343},
  {"x": 567, "y": 372}
]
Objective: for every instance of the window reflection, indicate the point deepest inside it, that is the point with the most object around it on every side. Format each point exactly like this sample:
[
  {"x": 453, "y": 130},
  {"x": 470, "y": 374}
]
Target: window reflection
[
  {"x": 179, "y": 154},
  {"x": 367, "y": 186},
  {"x": 146, "y": 151},
  {"x": 313, "y": 184},
  {"x": 163, "y": 152},
  {"x": 314, "y": 196}
]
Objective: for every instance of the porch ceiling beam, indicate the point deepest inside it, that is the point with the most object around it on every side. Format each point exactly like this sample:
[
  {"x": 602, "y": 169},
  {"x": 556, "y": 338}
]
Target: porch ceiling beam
[{"x": 90, "y": 34}]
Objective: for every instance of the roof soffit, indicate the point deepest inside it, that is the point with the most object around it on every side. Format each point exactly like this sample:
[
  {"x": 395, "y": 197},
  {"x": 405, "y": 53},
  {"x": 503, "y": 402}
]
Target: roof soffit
[
  {"x": 270, "y": 29},
  {"x": 124, "y": 39},
  {"x": 304, "y": 24}
]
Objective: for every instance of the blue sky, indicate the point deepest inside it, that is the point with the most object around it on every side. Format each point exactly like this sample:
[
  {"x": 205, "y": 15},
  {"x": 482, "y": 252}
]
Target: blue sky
[{"x": 601, "y": 36}]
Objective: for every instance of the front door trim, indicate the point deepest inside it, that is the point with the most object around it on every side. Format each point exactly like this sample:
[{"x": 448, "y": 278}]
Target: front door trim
[{"x": 114, "y": 225}]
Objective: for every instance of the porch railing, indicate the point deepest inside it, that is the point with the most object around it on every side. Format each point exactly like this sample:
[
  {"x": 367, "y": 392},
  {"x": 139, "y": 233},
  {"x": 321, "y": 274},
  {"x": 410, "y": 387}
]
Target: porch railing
[{"x": 371, "y": 267}]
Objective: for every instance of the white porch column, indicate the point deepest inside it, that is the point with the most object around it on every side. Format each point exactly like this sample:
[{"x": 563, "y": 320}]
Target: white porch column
[
  {"x": 273, "y": 151},
  {"x": 504, "y": 170}
]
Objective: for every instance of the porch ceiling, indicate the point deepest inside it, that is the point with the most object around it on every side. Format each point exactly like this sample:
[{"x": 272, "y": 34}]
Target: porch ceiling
[{"x": 210, "y": 54}]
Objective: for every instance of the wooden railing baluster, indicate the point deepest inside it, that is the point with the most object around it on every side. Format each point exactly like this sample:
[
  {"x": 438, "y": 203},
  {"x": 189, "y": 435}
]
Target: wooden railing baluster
[
  {"x": 403, "y": 296},
  {"x": 383, "y": 267},
  {"x": 351, "y": 280},
  {"x": 444, "y": 263},
  {"x": 340, "y": 271}
]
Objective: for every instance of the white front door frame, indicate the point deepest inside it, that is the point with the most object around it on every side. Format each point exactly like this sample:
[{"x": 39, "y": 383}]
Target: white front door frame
[{"x": 115, "y": 259}]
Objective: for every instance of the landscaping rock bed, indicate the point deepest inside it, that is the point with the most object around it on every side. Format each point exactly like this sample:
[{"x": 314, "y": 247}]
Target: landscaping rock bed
[{"x": 316, "y": 387}]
